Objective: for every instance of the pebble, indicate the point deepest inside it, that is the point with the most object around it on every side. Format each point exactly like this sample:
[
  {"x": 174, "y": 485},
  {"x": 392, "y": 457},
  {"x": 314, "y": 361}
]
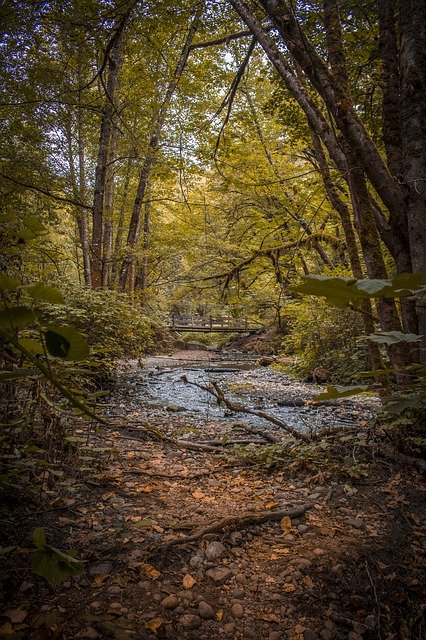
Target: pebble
[
  {"x": 215, "y": 550},
  {"x": 89, "y": 633},
  {"x": 237, "y": 610},
  {"x": 370, "y": 621},
  {"x": 309, "y": 634},
  {"x": 219, "y": 575},
  {"x": 314, "y": 496},
  {"x": 236, "y": 538},
  {"x": 326, "y": 634},
  {"x": 240, "y": 578},
  {"x": 196, "y": 561},
  {"x": 275, "y": 635},
  {"x": 102, "y": 569},
  {"x": 250, "y": 633},
  {"x": 190, "y": 621},
  {"x": 302, "y": 528},
  {"x": 238, "y": 593},
  {"x": 205, "y": 611},
  {"x": 170, "y": 602},
  {"x": 356, "y": 523},
  {"x": 229, "y": 628}
]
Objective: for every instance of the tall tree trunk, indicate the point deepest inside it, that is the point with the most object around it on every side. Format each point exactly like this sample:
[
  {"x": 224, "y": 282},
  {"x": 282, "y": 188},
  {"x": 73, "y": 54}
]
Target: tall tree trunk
[
  {"x": 118, "y": 241},
  {"x": 127, "y": 275},
  {"x": 412, "y": 26},
  {"x": 114, "y": 67},
  {"x": 108, "y": 210},
  {"x": 146, "y": 241}
]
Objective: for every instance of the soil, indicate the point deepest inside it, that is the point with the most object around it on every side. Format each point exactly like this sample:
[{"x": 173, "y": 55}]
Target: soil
[{"x": 336, "y": 552}]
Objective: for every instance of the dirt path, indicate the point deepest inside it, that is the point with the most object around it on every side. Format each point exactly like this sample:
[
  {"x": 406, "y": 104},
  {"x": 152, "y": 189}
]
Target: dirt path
[{"x": 349, "y": 568}]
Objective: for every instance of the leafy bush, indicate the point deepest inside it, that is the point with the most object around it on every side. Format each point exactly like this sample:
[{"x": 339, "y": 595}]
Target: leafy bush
[
  {"x": 326, "y": 337},
  {"x": 112, "y": 326}
]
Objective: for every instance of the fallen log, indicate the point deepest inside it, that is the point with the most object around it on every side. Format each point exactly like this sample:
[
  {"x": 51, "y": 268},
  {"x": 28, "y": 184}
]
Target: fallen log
[
  {"x": 237, "y": 522},
  {"x": 217, "y": 392}
]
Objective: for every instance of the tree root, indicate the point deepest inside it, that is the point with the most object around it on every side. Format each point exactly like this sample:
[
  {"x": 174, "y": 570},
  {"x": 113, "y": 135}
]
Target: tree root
[
  {"x": 217, "y": 392},
  {"x": 237, "y": 522}
]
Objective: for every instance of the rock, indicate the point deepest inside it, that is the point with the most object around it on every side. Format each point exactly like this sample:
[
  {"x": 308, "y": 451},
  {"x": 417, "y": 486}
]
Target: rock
[
  {"x": 265, "y": 361},
  {"x": 238, "y": 593},
  {"x": 326, "y": 634},
  {"x": 314, "y": 496},
  {"x": 356, "y": 523},
  {"x": 237, "y": 610},
  {"x": 275, "y": 635},
  {"x": 229, "y": 629},
  {"x": 205, "y": 611},
  {"x": 370, "y": 622},
  {"x": 240, "y": 578},
  {"x": 170, "y": 602},
  {"x": 196, "y": 561},
  {"x": 302, "y": 528},
  {"x": 338, "y": 568},
  {"x": 215, "y": 550},
  {"x": 309, "y": 634},
  {"x": 250, "y": 633},
  {"x": 102, "y": 569},
  {"x": 88, "y": 632},
  {"x": 236, "y": 538},
  {"x": 190, "y": 621},
  {"x": 219, "y": 575}
]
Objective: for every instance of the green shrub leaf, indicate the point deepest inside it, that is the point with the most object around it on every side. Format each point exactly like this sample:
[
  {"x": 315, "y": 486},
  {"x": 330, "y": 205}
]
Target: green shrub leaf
[
  {"x": 16, "y": 317},
  {"x": 48, "y": 294},
  {"x": 54, "y": 565},
  {"x": 8, "y": 284},
  {"x": 66, "y": 342},
  {"x": 341, "y": 392},
  {"x": 393, "y": 337},
  {"x": 39, "y": 537}
]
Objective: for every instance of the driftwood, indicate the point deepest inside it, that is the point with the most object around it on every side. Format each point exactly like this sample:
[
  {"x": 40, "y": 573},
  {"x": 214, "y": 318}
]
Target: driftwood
[
  {"x": 217, "y": 392},
  {"x": 270, "y": 437},
  {"x": 237, "y": 522}
]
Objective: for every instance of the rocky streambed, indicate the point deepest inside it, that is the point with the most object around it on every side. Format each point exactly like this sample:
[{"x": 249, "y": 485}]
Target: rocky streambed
[{"x": 167, "y": 388}]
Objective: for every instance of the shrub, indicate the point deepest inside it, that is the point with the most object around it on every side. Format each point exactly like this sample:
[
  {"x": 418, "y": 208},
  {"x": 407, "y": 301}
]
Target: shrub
[{"x": 324, "y": 336}]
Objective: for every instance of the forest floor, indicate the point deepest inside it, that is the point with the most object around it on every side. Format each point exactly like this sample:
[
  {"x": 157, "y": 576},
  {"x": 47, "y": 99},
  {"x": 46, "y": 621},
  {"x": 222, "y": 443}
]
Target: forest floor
[{"x": 187, "y": 544}]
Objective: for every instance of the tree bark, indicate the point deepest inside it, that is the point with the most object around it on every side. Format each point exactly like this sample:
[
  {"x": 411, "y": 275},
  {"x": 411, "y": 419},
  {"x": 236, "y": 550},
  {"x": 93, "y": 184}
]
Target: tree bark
[
  {"x": 129, "y": 259},
  {"x": 114, "y": 67}
]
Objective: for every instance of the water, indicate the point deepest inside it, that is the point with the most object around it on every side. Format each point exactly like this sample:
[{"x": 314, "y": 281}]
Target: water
[{"x": 160, "y": 384}]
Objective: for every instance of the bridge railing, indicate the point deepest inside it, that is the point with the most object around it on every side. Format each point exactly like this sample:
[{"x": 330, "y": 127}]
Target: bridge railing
[{"x": 221, "y": 322}]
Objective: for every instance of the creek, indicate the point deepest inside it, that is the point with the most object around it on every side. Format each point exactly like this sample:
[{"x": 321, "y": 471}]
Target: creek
[{"x": 158, "y": 386}]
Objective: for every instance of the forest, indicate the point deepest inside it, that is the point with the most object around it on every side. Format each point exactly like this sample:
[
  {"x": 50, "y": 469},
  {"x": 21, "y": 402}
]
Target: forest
[{"x": 212, "y": 319}]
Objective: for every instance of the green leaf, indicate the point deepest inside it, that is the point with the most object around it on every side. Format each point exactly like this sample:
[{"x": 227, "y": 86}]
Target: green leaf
[
  {"x": 54, "y": 565},
  {"x": 32, "y": 345},
  {"x": 48, "y": 294},
  {"x": 34, "y": 224},
  {"x": 19, "y": 373},
  {"x": 341, "y": 392},
  {"x": 8, "y": 284},
  {"x": 15, "y": 317},
  {"x": 393, "y": 337},
  {"x": 39, "y": 537},
  {"x": 66, "y": 342}
]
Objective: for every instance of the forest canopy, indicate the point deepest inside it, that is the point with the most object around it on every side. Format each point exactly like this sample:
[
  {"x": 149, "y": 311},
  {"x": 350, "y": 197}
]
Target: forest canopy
[{"x": 203, "y": 156}]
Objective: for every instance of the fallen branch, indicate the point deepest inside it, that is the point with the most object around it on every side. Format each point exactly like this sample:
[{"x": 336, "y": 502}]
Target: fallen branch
[
  {"x": 169, "y": 476},
  {"x": 217, "y": 392},
  {"x": 237, "y": 522},
  {"x": 270, "y": 437}
]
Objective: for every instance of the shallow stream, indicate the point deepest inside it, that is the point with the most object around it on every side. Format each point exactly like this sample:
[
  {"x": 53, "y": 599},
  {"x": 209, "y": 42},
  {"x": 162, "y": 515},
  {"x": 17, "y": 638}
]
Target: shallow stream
[{"x": 159, "y": 385}]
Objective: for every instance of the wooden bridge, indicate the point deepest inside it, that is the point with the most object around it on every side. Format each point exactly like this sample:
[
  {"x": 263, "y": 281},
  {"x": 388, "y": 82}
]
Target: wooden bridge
[{"x": 209, "y": 324}]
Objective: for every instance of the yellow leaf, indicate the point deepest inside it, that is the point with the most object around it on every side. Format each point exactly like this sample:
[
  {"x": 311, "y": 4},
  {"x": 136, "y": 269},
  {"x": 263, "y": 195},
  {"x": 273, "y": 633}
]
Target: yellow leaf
[
  {"x": 269, "y": 617},
  {"x": 285, "y": 524},
  {"x": 151, "y": 571},
  {"x": 147, "y": 489},
  {"x": 219, "y": 615},
  {"x": 98, "y": 581},
  {"x": 188, "y": 581},
  {"x": 289, "y": 587},
  {"x": 270, "y": 505},
  {"x": 107, "y": 496},
  {"x": 158, "y": 626}
]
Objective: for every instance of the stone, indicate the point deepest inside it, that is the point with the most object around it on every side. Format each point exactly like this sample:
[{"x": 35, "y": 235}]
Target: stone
[
  {"x": 195, "y": 561},
  {"x": 170, "y": 602},
  {"x": 302, "y": 528},
  {"x": 326, "y": 634},
  {"x": 240, "y": 578},
  {"x": 237, "y": 610},
  {"x": 250, "y": 633},
  {"x": 102, "y": 569},
  {"x": 303, "y": 564},
  {"x": 190, "y": 621},
  {"x": 215, "y": 550},
  {"x": 370, "y": 621},
  {"x": 205, "y": 611},
  {"x": 310, "y": 634},
  {"x": 275, "y": 635},
  {"x": 356, "y": 523},
  {"x": 219, "y": 575},
  {"x": 229, "y": 629},
  {"x": 88, "y": 632},
  {"x": 238, "y": 593},
  {"x": 236, "y": 538},
  {"x": 314, "y": 496}
]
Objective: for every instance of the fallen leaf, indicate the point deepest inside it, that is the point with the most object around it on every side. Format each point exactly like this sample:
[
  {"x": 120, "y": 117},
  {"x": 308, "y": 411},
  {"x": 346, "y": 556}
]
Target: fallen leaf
[
  {"x": 107, "y": 496},
  {"x": 270, "y": 505},
  {"x": 158, "y": 626},
  {"x": 98, "y": 581},
  {"x": 288, "y": 587},
  {"x": 285, "y": 524},
  {"x": 269, "y": 617},
  {"x": 308, "y": 582},
  {"x": 16, "y": 615},
  {"x": 219, "y": 615},
  {"x": 198, "y": 494},
  {"x": 146, "y": 489},
  {"x": 188, "y": 581},
  {"x": 151, "y": 571}
]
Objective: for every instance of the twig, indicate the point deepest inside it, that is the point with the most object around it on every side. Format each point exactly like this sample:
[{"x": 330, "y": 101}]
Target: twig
[
  {"x": 271, "y": 437},
  {"x": 217, "y": 392},
  {"x": 237, "y": 522}
]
